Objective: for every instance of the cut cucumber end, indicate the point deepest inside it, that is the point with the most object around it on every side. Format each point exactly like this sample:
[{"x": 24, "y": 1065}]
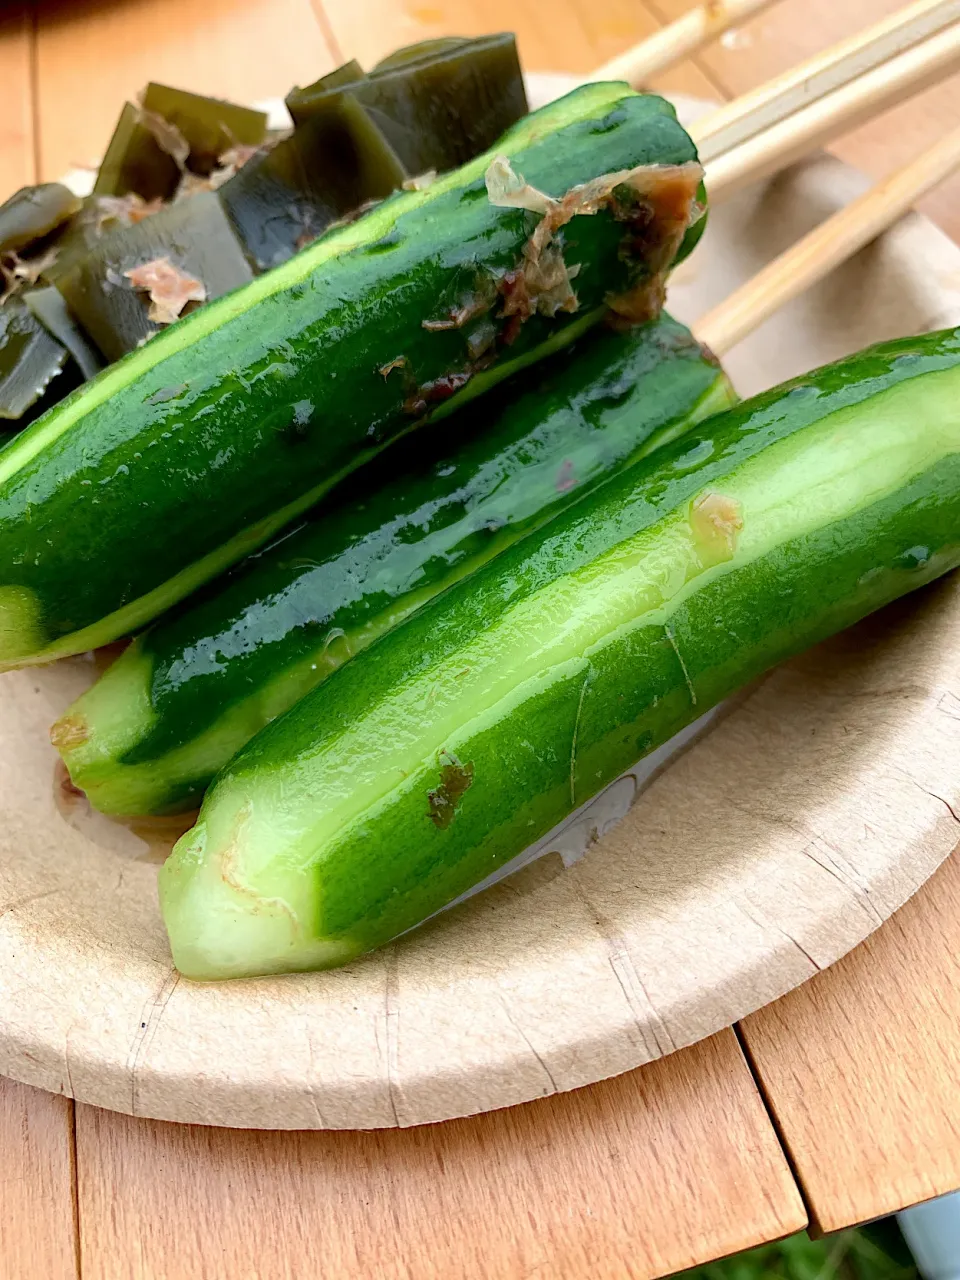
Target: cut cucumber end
[
  {"x": 97, "y": 735},
  {"x": 106, "y": 722},
  {"x": 220, "y": 927}
]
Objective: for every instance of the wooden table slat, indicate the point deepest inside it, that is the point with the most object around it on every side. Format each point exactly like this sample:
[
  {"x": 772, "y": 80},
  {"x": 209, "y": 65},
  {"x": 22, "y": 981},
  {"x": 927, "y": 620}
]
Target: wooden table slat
[
  {"x": 861, "y": 1064},
  {"x": 633, "y": 1178},
  {"x": 17, "y": 142},
  {"x": 38, "y": 1219}
]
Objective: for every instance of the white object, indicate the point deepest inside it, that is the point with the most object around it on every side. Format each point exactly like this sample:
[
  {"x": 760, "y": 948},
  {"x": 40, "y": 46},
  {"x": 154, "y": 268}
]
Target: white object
[{"x": 932, "y": 1231}]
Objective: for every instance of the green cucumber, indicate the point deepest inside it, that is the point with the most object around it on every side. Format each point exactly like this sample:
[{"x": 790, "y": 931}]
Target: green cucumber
[
  {"x": 201, "y": 445},
  {"x": 190, "y": 691},
  {"x": 466, "y": 733}
]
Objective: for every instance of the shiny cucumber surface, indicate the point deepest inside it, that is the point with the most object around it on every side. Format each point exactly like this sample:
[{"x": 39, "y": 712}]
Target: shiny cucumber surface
[
  {"x": 190, "y": 691},
  {"x": 201, "y": 445},
  {"x": 467, "y": 732}
]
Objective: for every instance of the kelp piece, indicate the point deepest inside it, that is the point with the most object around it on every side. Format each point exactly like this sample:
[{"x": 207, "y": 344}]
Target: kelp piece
[
  {"x": 135, "y": 161},
  {"x": 35, "y": 370},
  {"x": 194, "y": 236},
  {"x": 423, "y": 51},
  {"x": 168, "y": 133},
  {"x": 438, "y": 103},
  {"x": 32, "y": 213},
  {"x": 301, "y": 103},
  {"x": 442, "y": 102},
  {"x": 98, "y": 216},
  {"x": 49, "y": 307},
  {"x": 209, "y": 126},
  {"x": 333, "y": 164}
]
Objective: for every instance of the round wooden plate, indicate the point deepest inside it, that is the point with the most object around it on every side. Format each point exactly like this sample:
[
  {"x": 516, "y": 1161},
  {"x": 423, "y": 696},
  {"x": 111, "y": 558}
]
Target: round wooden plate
[{"x": 803, "y": 817}]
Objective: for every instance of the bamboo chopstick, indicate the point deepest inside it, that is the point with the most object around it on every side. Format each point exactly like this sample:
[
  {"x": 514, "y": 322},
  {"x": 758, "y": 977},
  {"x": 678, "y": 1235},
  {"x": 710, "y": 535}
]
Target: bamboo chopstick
[
  {"x": 769, "y": 128},
  {"x": 830, "y": 244},
  {"x": 876, "y": 91},
  {"x": 678, "y": 40},
  {"x": 776, "y": 124},
  {"x": 767, "y": 105}
]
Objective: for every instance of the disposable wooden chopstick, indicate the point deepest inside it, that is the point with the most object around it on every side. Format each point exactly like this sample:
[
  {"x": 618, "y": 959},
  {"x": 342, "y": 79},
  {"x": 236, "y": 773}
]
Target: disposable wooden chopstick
[
  {"x": 884, "y": 87},
  {"x": 678, "y": 40},
  {"x": 746, "y": 116},
  {"x": 830, "y": 244}
]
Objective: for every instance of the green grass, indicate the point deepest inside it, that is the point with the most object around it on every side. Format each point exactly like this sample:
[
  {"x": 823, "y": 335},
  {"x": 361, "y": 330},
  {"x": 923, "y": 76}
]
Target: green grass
[{"x": 877, "y": 1252}]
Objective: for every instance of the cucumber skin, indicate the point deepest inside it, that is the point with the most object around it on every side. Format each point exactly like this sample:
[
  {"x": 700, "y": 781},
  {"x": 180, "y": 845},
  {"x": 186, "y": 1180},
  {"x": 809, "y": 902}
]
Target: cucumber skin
[
  {"x": 387, "y": 873},
  {"x": 216, "y": 436},
  {"x": 521, "y": 455}
]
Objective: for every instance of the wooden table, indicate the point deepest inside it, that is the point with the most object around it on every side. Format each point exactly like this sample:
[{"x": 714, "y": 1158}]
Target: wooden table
[{"x": 832, "y": 1106}]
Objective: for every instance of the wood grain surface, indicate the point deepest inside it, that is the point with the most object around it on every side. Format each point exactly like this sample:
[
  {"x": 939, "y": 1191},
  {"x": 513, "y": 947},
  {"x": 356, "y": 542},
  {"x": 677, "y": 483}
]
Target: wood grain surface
[
  {"x": 38, "y": 1222},
  {"x": 663, "y": 1167},
  {"x": 17, "y": 140},
  {"x": 636, "y": 1177},
  {"x": 38, "y": 1236},
  {"x": 860, "y": 1065}
]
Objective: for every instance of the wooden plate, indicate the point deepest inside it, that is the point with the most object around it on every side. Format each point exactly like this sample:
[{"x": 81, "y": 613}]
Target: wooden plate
[{"x": 802, "y": 818}]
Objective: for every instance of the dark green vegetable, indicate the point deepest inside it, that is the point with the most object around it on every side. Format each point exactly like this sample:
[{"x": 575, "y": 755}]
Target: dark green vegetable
[
  {"x": 470, "y": 730},
  {"x": 32, "y": 213},
  {"x": 99, "y": 216},
  {"x": 209, "y": 126},
  {"x": 300, "y": 102},
  {"x": 204, "y": 443},
  {"x": 35, "y": 370},
  {"x": 50, "y": 309},
  {"x": 438, "y": 103},
  {"x": 136, "y": 162},
  {"x": 439, "y": 46},
  {"x": 194, "y": 236},
  {"x": 331, "y": 165},
  {"x": 427, "y": 108},
  {"x": 36, "y": 364},
  {"x": 181, "y": 700},
  {"x": 169, "y": 132},
  {"x": 443, "y": 102}
]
